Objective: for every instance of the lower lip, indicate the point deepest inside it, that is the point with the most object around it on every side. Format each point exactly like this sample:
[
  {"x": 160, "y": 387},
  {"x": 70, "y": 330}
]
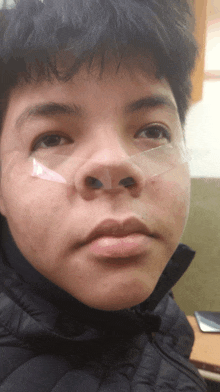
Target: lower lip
[{"x": 119, "y": 247}]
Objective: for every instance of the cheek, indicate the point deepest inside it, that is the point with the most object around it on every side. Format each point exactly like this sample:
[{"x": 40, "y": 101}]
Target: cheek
[
  {"x": 34, "y": 214},
  {"x": 173, "y": 191},
  {"x": 166, "y": 203}
]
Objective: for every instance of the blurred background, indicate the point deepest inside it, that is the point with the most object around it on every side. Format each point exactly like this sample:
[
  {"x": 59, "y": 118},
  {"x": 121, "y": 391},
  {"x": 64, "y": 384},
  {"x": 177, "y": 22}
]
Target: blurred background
[{"x": 199, "y": 288}]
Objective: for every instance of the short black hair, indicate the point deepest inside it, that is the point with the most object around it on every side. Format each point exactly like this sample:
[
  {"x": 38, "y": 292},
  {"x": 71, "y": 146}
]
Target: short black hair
[{"x": 33, "y": 31}]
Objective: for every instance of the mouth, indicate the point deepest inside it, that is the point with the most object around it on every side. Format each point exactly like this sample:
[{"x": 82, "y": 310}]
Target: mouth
[{"x": 119, "y": 239}]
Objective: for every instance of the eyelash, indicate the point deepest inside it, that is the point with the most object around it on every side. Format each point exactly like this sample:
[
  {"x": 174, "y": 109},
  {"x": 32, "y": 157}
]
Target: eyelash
[
  {"x": 162, "y": 130},
  {"x": 42, "y": 139}
]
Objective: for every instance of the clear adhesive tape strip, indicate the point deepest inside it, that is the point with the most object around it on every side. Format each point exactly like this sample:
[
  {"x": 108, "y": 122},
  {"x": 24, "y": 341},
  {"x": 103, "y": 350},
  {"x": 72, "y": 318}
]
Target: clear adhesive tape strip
[{"x": 62, "y": 168}]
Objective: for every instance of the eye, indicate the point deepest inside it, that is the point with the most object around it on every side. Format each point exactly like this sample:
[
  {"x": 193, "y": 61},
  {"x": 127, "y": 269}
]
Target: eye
[
  {"x": 49, "y": 141},
  {"x": 155, "y": 132}
]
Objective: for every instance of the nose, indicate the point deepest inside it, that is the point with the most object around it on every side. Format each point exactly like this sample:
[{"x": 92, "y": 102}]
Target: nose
[{"x": 109, "y": 171}]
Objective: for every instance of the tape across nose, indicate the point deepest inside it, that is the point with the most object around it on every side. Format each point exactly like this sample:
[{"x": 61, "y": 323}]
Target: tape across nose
[
  {"x": 119, "y": 175},
  {"x": 106, "y": 171},
  {"x": 109, "y": 169}
]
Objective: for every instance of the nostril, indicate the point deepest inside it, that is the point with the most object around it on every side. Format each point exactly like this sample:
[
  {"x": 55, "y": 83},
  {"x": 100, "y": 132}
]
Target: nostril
[
  {"x": 126, "y": 182},
  {"x": 92, "y": 182}
]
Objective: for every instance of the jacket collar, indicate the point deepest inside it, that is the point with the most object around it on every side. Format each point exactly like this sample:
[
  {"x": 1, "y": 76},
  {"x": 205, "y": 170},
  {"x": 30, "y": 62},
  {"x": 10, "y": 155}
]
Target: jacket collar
[{"x": 173, "y": 271}]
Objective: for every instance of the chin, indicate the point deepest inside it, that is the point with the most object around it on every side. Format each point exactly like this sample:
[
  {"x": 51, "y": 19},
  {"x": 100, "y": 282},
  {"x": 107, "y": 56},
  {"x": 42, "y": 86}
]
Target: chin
[{"x": 115, "y": 302}]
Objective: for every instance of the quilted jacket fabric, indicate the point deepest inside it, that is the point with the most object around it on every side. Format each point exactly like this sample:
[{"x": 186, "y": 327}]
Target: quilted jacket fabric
[{"x": 50, "y": 342}]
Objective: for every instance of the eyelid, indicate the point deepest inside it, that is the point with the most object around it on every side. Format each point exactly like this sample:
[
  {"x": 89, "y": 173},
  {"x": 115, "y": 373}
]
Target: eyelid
[
  {"x": 159, "y": 125},
  {"x": 39, "y": 138}
]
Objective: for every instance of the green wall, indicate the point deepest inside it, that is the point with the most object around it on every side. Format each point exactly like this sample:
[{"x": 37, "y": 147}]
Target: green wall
[{"x": 199, "y": 288}]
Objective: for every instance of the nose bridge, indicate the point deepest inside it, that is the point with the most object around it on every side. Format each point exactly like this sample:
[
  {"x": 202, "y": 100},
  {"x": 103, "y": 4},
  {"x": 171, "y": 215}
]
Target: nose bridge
[
  {"x": 109, "y": 156},
  {"x": 107, "y": 141},
  {"x": 108, "y": 151}
]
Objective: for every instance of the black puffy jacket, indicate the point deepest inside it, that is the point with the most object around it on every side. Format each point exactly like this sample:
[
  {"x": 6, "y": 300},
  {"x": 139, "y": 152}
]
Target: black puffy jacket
[{"x": 50, "y": 342}]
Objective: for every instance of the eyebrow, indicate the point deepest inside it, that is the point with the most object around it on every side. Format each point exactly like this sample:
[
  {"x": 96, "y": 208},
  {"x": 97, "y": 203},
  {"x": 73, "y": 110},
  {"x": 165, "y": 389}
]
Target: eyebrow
[
  {"x": 51, "y": 109},
  {"x": 152, "y": 101},
  {"x": 48, "y": 109}
]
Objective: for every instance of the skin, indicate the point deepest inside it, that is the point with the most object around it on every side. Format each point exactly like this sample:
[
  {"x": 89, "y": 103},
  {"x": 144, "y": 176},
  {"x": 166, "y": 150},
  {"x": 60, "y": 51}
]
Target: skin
[{"x": 48, "y": 220}]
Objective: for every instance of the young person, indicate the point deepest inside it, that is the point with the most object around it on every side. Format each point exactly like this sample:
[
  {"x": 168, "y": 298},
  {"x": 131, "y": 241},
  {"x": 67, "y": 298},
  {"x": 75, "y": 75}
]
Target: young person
[{"x": 94, "y": 196}]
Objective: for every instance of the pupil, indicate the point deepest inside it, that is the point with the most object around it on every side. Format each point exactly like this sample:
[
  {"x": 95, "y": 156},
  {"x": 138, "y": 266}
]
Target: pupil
[
  {"x": 154, "y": 133},
  {"x": 52, "y": 140}
]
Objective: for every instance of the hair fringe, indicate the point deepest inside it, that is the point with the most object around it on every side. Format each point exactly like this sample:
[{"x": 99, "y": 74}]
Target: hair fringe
[{"x": 34, "y": 31}]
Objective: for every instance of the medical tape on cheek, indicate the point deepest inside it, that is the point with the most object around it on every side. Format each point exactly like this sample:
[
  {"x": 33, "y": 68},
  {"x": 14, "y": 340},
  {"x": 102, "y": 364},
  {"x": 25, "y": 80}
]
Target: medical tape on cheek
[
  {"x": 56, "y": 167},
  {"x": 162, "y": 159},
  {"x": 62, "y": 169},
  {"x": 43, "y": 172},
  {"x": 65, "y": 173}
]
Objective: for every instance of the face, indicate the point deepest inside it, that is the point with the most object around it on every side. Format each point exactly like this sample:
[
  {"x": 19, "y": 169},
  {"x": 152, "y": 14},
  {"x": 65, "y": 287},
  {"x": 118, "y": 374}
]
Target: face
[{"x": 106, "y": 246}]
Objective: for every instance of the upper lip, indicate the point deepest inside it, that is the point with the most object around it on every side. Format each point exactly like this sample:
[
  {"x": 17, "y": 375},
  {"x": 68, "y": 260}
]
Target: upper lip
[{"x": 116, "y": 228}]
